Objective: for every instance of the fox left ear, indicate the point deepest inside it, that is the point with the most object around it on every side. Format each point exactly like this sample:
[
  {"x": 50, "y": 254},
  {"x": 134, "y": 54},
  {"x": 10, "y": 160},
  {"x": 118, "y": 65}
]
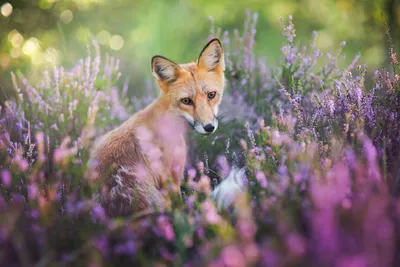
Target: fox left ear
[
  {"x": 164, "y": 69},
  {"x": 212, "y": 56}
]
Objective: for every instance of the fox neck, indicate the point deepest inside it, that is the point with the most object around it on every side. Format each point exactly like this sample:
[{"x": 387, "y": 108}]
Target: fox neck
[
  {"x": 153, "y": 114},
  {"x": 158, "y": 108}
]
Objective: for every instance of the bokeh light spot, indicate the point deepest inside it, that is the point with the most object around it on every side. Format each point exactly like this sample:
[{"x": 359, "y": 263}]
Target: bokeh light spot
[
  {"x": 83, "y": 4},
  {"x": 15, "y": 52},
  {"x": 30, "y": 46},
  {"x": 66, "y": 16},
  {"x": 82, "y": 34},
  {"x": 141, "y": 35},
  {"x": 116, "y": 42},
  {"x": 15, "y": 38},
  {"x": 103, "y": 37},
  {"x": 37, "y": 59},
  {"x": 6, "y": 9},
  {"x": 46, "y": 4},
  {"x": 4, "y": 61}
]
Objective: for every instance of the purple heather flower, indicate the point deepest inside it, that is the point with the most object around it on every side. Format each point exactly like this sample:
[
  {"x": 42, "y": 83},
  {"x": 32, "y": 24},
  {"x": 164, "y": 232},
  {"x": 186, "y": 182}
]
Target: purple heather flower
[
  {"x": 101, "y": 243},
  {"x": 166, "y": 228},
  {"x": 233, "y": 257},
  {"x": 296, "y": 244},
  {"x": 223, "y": 165},
  {"x": 6, "y": 177},
  {"x": 261, "y": 179}
]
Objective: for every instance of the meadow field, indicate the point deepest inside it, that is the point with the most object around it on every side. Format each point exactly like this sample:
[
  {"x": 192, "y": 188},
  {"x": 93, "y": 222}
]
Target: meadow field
[{"x": 318, "y": 133}]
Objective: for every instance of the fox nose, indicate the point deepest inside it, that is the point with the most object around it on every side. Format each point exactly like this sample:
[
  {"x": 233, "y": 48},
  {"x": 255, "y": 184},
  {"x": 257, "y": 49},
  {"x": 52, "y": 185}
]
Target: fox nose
[{"x": 209, "y": 128}]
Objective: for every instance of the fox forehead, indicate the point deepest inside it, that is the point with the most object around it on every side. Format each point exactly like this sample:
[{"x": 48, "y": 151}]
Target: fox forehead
[{"x": 193, "y": 80}]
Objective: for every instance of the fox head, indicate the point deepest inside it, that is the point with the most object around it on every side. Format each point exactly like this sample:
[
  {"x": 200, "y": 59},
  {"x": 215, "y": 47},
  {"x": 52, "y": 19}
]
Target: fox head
[{"x": 194, "y": 90}]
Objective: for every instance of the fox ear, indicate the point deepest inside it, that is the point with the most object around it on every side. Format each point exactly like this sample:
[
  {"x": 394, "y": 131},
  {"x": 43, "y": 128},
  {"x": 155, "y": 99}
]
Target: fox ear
[
  {"x": 212, "y": 56},
  {"x": 164, "y": 69}
]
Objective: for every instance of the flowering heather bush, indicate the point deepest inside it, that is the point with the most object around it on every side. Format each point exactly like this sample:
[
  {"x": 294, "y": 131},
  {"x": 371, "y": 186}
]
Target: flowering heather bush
[{"x": 320, "y": 143}]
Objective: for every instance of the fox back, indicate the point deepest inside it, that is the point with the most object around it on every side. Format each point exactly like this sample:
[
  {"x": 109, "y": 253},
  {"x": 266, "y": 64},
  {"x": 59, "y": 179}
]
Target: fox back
[{"x": 132, "y": 163}]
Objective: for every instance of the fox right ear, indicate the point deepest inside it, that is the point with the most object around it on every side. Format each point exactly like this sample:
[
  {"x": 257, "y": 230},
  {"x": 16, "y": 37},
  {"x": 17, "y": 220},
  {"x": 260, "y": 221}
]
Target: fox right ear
[
  {"x": 164, "y": 69},
  {"x": 212, "y": 56}
]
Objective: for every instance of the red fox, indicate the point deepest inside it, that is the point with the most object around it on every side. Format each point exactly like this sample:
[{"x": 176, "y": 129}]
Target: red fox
[{"x": 150, "y": 146}]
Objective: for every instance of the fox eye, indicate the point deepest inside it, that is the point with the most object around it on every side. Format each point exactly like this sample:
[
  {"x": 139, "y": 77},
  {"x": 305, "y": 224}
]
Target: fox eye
[
  {"x": 187, "y": 101},
  {"x": 211, "y": 95}
]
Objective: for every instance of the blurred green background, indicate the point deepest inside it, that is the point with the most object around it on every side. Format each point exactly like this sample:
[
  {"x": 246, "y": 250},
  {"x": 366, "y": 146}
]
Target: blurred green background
[{"x": 34, "y": 35}]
